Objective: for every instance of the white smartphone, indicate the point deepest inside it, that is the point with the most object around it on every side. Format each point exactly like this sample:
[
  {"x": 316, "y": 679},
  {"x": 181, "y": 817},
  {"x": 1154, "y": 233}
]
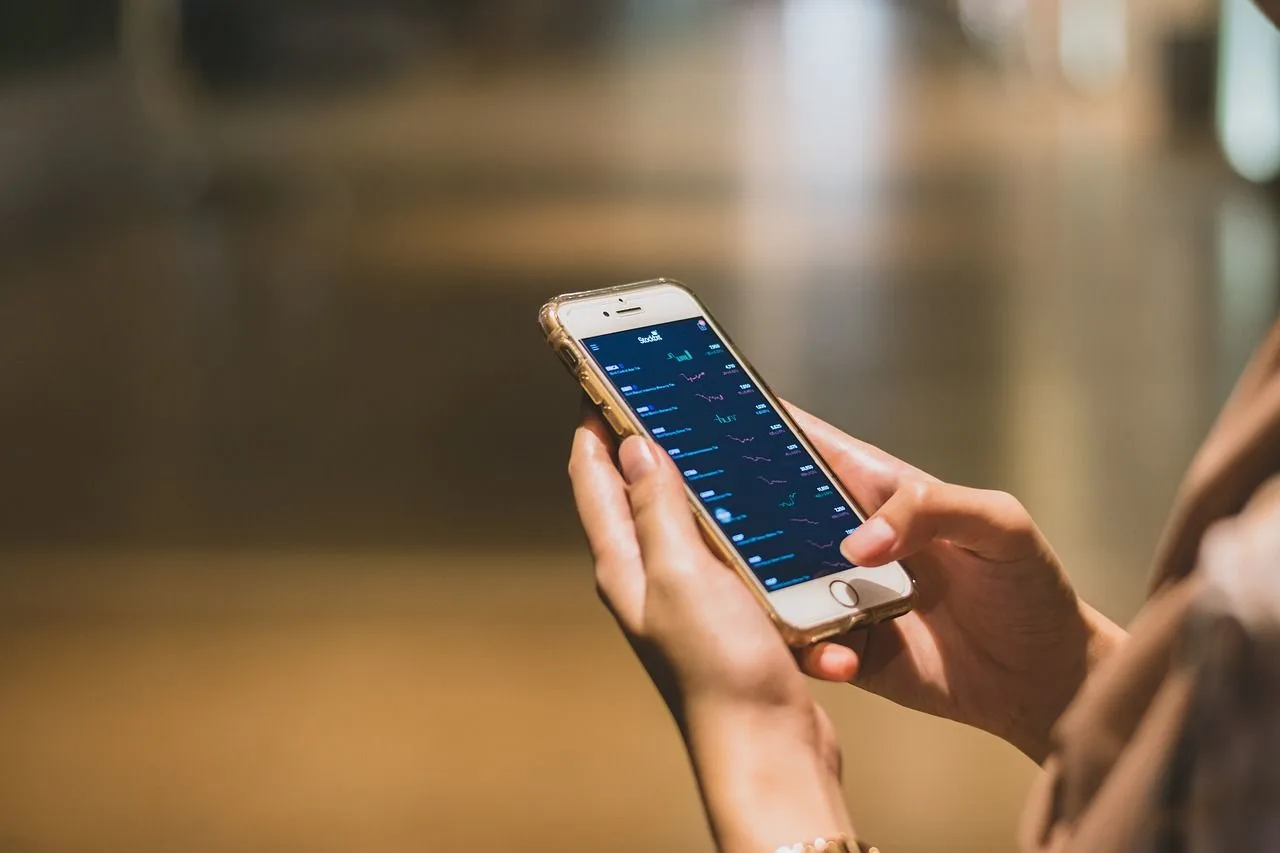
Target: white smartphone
[{"x": 655, "y": 362}]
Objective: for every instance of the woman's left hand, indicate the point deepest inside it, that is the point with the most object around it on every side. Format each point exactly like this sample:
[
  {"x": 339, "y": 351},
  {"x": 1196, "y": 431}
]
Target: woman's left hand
[{"x": 765, "y": 754}]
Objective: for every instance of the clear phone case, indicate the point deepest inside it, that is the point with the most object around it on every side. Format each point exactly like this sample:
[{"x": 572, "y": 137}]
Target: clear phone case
[{"x": 624, "y": 423}]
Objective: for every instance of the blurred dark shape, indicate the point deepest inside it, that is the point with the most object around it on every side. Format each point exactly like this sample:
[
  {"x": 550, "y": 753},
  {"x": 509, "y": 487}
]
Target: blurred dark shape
[
  {"x": 1223, "y": 785},
  {"x": 235, "y": 44},
  {"x": 41, "y": 33},
  {"x": 1190, "y": 60},
  {"x": 521, "y": 26}
]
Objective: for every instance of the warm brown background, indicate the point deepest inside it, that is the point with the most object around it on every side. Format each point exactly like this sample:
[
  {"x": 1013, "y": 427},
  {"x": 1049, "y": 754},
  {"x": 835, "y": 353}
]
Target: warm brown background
[{"x": 287, "y": 557}]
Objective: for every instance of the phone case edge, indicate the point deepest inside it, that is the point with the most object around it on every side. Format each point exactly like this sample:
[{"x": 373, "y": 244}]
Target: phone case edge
[{"x": 558, "y": 338}]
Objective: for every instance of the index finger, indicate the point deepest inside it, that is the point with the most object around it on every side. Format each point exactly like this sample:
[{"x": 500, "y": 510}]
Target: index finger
[
  {"x": 871, "y": 474},
  {"x": 605, "y": 513}
]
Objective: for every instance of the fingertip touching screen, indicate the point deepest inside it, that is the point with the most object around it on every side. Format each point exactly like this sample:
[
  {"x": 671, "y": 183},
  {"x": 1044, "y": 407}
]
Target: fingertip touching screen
[{"x": 749, "y": 470}]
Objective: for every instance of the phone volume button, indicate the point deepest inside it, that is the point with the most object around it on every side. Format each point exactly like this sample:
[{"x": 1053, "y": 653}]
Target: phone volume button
[
  {"x": 613, "y": 419},
  {"x": 569, "y": 357},
  {"x": 593, "y": 391}
]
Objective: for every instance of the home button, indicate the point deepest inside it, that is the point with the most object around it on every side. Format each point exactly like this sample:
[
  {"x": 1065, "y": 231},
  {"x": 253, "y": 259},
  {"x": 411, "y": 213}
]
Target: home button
[{"x": 844, "y": 593}]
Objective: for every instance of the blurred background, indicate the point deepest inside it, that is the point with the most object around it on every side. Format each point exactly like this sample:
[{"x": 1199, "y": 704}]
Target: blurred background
[{"x": 287, "y": 555}]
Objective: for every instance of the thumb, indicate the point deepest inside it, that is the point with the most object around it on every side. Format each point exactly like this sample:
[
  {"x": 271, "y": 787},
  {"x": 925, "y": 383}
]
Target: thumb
[
  {"x": 834, "y": 661},
  {"x": 869, "y": 473},
  {"x": 664, "y": 523}
]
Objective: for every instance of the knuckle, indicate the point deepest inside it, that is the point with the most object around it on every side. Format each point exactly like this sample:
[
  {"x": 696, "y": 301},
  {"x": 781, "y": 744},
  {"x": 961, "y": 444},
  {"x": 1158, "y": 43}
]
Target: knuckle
[
  {"x": 921, "y": 491},
  {"x": 652, "y": 493},
  {"x": 674, "y": 581},
  {"x": 613, "y": 556},
  {"x": 685, "y": 569},
  {"x": 605, "y": 567},
  {"x": 672, "y": 573},
  {"x": 839, "y": 454},
  {"x": 602, "y": 591},
  {"x": 1219, "y": 536},
  {"x": 844, "y": 455},
  {"x": 645, "y": 498},
  {"x": 609, "y": 603},
  {"x": 665, "y": 475},
  {"x": 575, "y": 465},
  {"x": 1010, "y": 510},
  {"x": 1014, "y": 521},
  {"x": 1011, "y": 504}
]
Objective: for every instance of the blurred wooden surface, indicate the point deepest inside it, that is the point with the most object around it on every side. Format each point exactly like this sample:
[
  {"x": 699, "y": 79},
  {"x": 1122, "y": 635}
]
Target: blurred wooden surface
[{"x": 313, "y": 702}]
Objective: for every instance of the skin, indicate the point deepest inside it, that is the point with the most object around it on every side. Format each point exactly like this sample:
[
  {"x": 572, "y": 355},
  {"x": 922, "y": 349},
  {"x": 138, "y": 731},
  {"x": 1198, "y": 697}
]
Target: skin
[
  {"x": 998, "y": 639},
  {"x": 764, "y": 753}
]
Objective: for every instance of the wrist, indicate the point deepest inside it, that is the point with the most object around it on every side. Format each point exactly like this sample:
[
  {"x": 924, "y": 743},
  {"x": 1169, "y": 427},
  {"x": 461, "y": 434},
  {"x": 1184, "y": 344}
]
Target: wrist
[
  {"x": 769, "y": 775},
  {"x": 1098, "y": 637}
]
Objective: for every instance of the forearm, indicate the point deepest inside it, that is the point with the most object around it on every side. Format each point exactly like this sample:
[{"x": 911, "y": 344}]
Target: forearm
[{"x": 768, "y": 777}]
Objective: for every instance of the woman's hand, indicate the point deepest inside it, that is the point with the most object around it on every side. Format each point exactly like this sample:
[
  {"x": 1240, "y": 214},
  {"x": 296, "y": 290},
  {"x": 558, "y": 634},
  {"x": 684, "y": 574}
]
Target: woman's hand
[
  {"x": 764, "y": 753},
  {"x": 997, "y": 638}
]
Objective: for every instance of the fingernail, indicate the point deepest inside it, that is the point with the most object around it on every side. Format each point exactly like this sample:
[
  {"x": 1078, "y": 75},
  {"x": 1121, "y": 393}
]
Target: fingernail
[
  {"x": 869, "y": 541},
  {"x": 636, "y": 457}
]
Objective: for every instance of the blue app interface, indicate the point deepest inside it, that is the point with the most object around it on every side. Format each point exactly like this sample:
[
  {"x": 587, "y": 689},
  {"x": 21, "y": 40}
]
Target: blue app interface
[{"x": 746, "y": 466}]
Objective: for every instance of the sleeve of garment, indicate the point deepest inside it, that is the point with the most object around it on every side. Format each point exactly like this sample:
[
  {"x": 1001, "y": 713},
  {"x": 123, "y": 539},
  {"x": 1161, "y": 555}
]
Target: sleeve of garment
[{"x": 1139, "y": 758}]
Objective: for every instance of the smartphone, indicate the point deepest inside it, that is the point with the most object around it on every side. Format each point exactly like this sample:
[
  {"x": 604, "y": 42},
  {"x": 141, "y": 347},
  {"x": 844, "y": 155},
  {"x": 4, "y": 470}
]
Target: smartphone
[{"x": 655, "y": 362}]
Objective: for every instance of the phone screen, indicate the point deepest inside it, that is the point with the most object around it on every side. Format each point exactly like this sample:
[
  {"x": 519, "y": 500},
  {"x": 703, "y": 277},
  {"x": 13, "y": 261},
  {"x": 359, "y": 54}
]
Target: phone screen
[{"x": 753, "y": 476}]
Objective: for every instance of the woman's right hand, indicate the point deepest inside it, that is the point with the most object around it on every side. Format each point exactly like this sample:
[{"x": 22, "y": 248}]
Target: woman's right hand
[{"x": 998, "y": 638}]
